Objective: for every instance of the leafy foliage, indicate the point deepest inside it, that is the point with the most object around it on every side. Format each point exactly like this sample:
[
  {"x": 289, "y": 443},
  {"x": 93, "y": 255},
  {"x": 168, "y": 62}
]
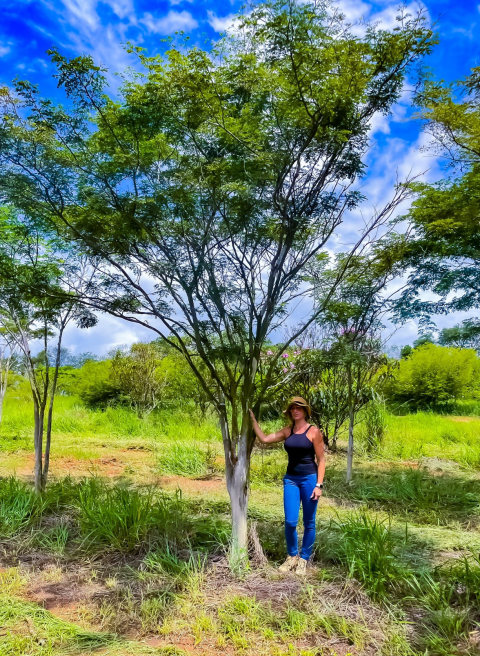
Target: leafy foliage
[{"x": 433, "y": 375}]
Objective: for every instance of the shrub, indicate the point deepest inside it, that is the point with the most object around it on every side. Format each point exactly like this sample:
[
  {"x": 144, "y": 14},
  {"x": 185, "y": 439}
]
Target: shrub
[{"x": 434, "y": 375}]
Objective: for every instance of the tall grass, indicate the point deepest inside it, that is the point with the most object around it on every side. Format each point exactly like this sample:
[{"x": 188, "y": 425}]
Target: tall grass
[
  {"x": 365, "y": 546},
  {"x": 124, "y": 518},
  {"x": 186, "y": 459},
  {"x": 409, "y": 492},
  {"x": 426, "y": 434},
  {"x": 72, "y": 417}
]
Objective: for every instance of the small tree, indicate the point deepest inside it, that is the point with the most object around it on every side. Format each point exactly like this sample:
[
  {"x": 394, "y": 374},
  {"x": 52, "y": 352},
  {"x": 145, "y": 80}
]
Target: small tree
[
  {"x": 138, "y": 375},
  {"x": 37, "y": 301},
  {"x": 353, "y": 320}
]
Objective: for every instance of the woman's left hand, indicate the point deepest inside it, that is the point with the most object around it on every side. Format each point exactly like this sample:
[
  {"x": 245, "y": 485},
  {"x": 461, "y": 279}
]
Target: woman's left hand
[{"x": 316, "y": 494}]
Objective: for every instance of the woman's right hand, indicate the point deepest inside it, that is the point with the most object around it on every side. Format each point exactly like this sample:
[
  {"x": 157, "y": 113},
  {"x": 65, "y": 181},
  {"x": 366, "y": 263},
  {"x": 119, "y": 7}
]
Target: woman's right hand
[{"x": 252, "y": 415}]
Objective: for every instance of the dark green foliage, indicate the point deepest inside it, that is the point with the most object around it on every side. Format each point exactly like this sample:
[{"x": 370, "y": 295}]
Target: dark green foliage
[
  {"x": 441, "y": 253},
  {"x": 464, "y": 335}
]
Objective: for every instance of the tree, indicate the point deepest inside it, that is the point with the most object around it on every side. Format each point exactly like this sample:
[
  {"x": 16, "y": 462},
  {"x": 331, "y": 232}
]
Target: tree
[
  {"x": 352, "y": 319},
  {"x": 463, "y": 335},
  {"x": 442, "y": 248},
  {"x": 38, "y": 298},
  {"x": 138, "y": 375},
  {"x": 212, "y": 180}
]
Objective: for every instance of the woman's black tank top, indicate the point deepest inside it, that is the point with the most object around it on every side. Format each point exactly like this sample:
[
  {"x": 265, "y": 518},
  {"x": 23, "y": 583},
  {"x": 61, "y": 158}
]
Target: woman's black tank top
[{"x": 301, "y": 454}]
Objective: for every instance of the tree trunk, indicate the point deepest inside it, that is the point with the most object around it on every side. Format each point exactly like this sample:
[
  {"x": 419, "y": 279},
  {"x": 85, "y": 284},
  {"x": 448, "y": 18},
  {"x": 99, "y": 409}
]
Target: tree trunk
[
  {"x": 46, "y": 463},
  {"x": 39, "y": 416},
  {"x": 237, "y": 486},
  {"x": 2, "y": 396},
  {"x": 237, "y": 468},
  {"x": 4, "y": 371},
  {"x": 351, "y": 419}
]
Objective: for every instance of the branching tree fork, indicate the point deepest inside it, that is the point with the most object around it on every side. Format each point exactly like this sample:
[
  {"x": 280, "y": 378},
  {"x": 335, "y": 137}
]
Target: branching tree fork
[{"x": 209, "y": 184}]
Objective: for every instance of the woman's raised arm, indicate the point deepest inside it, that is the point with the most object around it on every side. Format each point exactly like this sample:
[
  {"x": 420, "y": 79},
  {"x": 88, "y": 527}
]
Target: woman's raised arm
[{"x": 279, "y": 436}]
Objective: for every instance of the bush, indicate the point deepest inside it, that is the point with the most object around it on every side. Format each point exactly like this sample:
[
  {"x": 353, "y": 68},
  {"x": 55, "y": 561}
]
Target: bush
[
  {"x": 434, "y": 376},
  {"x": 93, "y": 383}
]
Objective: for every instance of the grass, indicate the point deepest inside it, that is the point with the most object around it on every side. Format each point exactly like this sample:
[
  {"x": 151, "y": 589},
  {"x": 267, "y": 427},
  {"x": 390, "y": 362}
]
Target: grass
[{"x": 398, "y": 547}]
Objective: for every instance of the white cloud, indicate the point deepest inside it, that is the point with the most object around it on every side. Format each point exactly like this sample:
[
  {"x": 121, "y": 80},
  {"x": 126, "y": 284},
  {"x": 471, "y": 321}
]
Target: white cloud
[
  {"x": 122, "y": 8},
  {"x": 221, "y": 23},
  {"x": 109, "y": 333},
  {"x": 388, "y": 17},
  {"x": 174, "y": 21},
  {"x": 83, "y": 13},
  {"x": 4, "y": 50},
  {"x": 178, "y": 2}
]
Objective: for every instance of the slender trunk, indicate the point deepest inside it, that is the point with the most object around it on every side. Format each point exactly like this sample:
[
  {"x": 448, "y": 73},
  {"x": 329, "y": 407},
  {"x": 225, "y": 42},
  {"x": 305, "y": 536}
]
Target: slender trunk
[
  {"x": 351, "y": 418},
  {"x": 4, "y": 371},
  {"x": 39, "y": 415},
  {"x": 2, "y": 397},
  {"x": 48, "y": 440}
]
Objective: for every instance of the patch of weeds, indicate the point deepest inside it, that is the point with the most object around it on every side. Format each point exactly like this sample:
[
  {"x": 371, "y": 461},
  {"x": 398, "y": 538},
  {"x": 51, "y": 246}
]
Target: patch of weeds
[
  {"x": 19, "y": 507},
  {"x": 123, "y": 518},
  {"x": 364, "y": 545},
  {"x": 333, "y": 624},
  {"x": 203, "y": 624},
  {"x": 153, "y": 611},
  {"x": 185, "y": 459},
  {"x": 53, "y": 540},
  {"x": 449, "y": 598},
  {"x": 182, "y": 574}
]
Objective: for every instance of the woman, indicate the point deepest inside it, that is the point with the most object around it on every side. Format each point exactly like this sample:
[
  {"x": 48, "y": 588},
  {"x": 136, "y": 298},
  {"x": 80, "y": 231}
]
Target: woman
[{"x": 303, "y": 482}]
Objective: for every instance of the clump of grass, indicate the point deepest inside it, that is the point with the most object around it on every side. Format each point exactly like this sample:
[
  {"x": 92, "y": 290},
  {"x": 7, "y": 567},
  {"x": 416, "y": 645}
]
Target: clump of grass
[
  {"x": 364, "y": 545},
  {"x": 19, "y": 507},
  {"x": 373, "y": 429},
  {"x": 123, "y": 518},
  {"x": 186, "y": 459}
]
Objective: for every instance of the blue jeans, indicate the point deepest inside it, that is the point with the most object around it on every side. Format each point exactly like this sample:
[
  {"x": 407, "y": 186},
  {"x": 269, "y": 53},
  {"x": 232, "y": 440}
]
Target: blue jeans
[{"x": 298, "y": 489}]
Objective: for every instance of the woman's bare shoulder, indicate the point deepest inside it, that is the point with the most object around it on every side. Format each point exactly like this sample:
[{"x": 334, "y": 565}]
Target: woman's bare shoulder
[{"x": 315, "y": 432}]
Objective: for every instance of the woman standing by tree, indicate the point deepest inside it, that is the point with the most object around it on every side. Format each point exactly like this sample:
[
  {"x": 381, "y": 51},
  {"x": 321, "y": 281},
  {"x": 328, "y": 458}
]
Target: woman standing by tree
[{"x": 303, "y": 481}]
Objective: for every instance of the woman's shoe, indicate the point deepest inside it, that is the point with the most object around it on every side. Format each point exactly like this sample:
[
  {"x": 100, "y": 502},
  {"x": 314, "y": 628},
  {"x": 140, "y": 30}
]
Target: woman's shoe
[
  {"x": 289, "y": 564},
  {"x": 301, "y": 568}
]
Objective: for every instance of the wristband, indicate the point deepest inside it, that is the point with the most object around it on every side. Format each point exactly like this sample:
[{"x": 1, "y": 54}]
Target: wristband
[{"x": 320, "y": 485}]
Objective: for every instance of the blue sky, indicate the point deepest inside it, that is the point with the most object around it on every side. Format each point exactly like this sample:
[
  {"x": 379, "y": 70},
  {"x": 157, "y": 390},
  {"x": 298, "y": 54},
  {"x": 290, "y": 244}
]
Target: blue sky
[{"x": 30, "y": 27}]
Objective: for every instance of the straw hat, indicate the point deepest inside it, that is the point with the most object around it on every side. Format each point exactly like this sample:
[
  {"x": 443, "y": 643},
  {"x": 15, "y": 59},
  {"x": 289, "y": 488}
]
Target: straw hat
[{"x": 297, "y": 400}]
